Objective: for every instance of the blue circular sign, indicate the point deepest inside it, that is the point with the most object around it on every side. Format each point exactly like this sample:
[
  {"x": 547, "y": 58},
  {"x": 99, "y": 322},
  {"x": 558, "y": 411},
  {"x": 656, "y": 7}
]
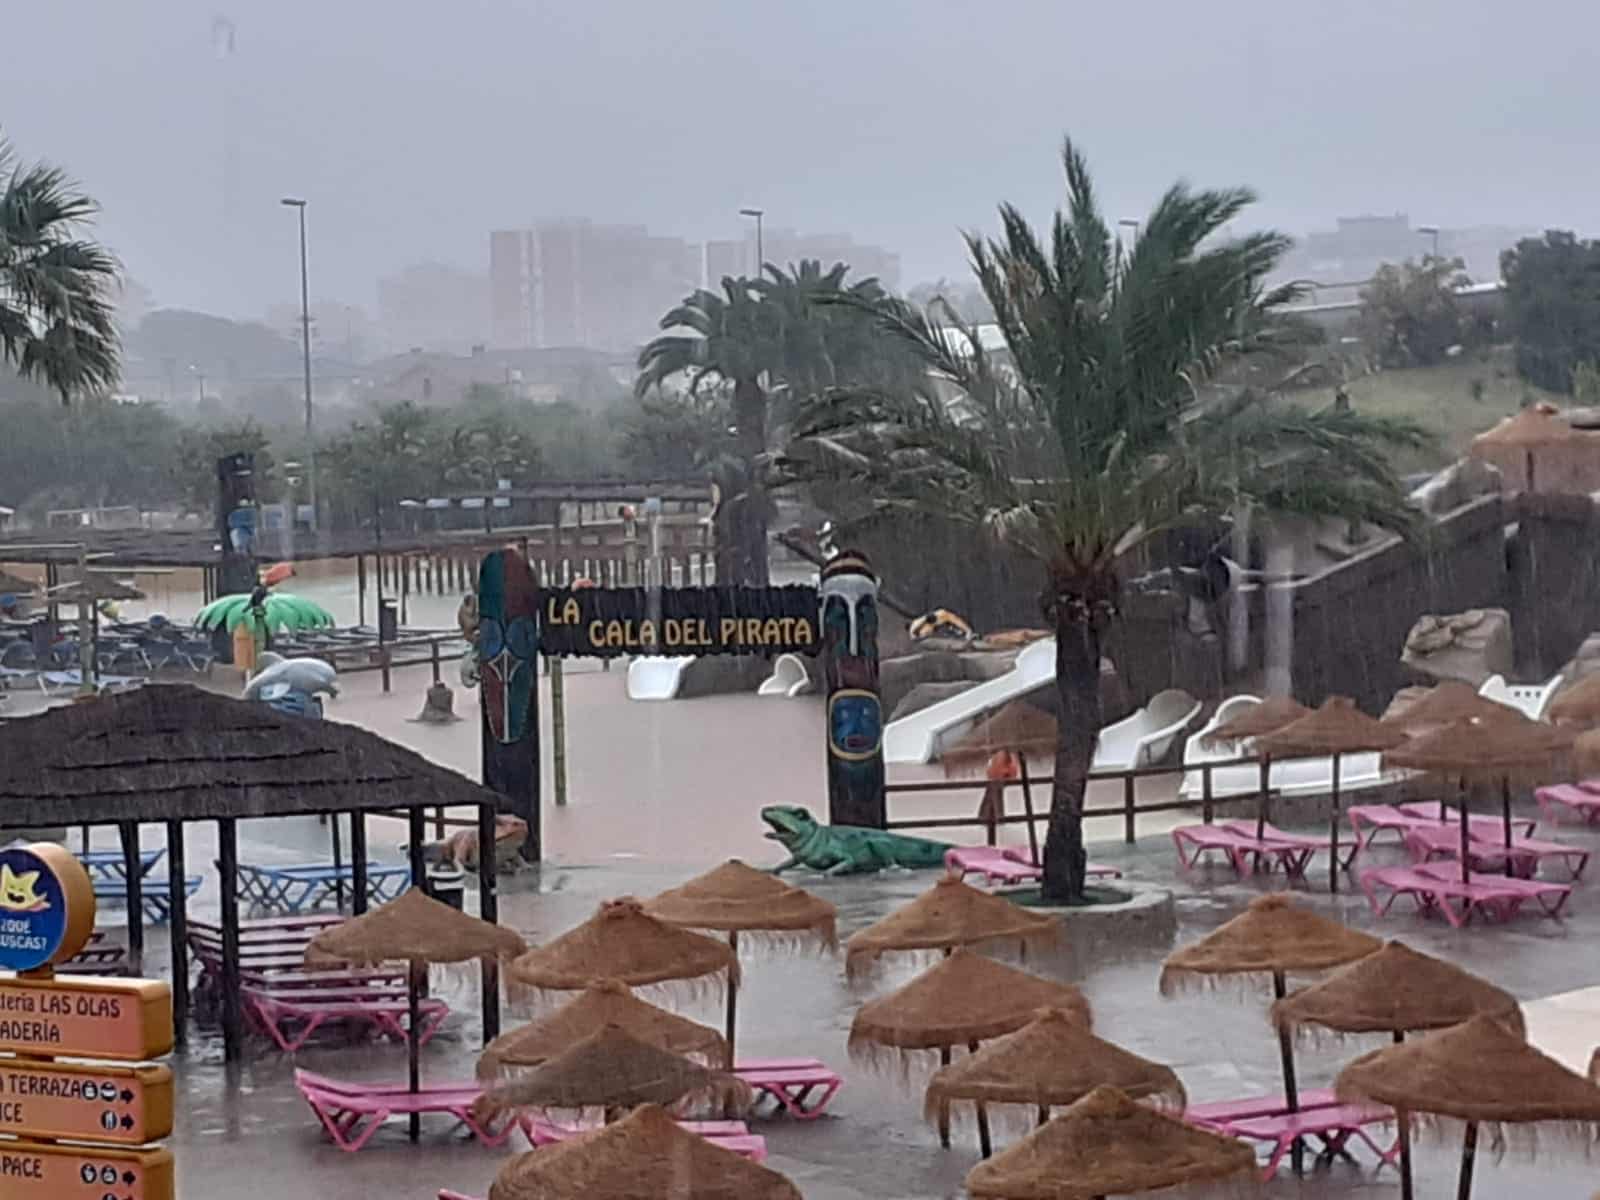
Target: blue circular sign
[{"x": 33, "y": 910}]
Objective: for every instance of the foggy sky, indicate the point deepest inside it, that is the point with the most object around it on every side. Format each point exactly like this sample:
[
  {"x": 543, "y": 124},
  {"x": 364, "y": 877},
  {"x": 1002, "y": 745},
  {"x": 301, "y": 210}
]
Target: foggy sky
[{"x": 414, "y": 128}]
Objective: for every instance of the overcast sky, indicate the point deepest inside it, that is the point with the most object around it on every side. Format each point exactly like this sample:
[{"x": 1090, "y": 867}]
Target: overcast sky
[{"x": 414, "y": 127}]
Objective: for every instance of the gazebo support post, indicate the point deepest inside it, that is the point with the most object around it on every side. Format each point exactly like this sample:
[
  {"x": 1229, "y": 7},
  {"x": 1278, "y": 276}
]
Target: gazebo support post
[
  {"x": 488, "y": 910},
  {"x": 178, "y": 931},
  {"x": 1469, "y": 1152},
  {"x": 228, "y": 868},
  {"x": 1291, "y": 1091},
  {"x": 358, "y": 863},
  {"x": 416, "y": 973},
  {"x": 132, "y": 866}
]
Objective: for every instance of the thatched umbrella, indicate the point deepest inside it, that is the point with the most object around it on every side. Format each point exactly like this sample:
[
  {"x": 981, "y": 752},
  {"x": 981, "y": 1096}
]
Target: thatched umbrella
[
  {"x": 1396, "y": 991},
  {"x": 1578, "y": 704},
  {"x": 1477, "y": 1073},
  {"x": 1108, "y": 1144},
  {"x": 1052, "y": 1061},
  {"x": 613, "y": 1071},
  {"x": 1337, "y": 728},
  {"x": 964, "y": 1000},
  {"x": 735, "y": 898},
  {"x": 417, "y": 930},
  {"x": 622, "y": 942},
  {"x": 1449, "y": 700},
  {"x": 1484, "y": 750},
  {"x": 646, "y": 1153},
  {"x": 1257, "y": 721},
  {"x": 1017, "y": 726},
  {"x": 1275, "y": 937},
  {"x": 947, "y": 915},
  {"x": 597, "y": 1006}
]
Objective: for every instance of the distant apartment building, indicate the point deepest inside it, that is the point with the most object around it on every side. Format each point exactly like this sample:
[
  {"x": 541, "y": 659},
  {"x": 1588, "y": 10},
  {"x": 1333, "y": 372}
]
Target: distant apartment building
[
  {"x": 576, "y": 283},
  {"x": 435, "y": 307},
  {"x": 784, "y": 247}
]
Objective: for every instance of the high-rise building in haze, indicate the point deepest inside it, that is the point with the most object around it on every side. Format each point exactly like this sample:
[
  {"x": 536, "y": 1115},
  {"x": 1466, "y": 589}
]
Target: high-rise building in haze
[
  {"x": 432, "y": 306},
  {"x": 576, "y": 283}
]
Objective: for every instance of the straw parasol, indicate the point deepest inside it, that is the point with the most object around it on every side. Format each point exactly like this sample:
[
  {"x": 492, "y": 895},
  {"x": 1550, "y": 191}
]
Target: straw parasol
[
  {"x": 1493, "y": 750},
  {"x": 622, "y": 942},
  {"x": 1268, "y": 716},
  {"x": 964, "y": 1000},
  {"x": 1397, "y": 991},
  {"x": 417, "y": 930},
  {"x": 1444, "y": 702},
  {"x": 735, "y": 898},
  {"x": 1578, "y": 704},
  {"x": 947, "y": 915},
  {"x": 1275, "y": 937},
  {"x": 1477, "y": 1073},
  {"x": 1107, "y": 1144},
  {"x": 1018, "y": 726},
  {"x": 1337, "y": 728},
  {"x": 597, "y": 1006},
  {"x": 1052, "y": 1061},
  {"x": 611, "y": 1070},
  {"x": 646, "y": 1153}
]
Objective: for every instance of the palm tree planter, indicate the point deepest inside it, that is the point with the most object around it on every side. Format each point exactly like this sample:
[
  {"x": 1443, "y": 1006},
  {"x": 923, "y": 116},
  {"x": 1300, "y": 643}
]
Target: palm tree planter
[{"x": 1097, "y": 432}]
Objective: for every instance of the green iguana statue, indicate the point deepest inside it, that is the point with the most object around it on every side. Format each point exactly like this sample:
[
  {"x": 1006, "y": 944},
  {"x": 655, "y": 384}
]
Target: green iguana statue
[{"x": 845, "y": 849}]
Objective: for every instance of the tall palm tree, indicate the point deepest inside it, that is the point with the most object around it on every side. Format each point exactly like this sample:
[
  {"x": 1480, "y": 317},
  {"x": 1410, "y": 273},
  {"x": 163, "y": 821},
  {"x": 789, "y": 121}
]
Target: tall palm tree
[
  {"x": 1097, "y": 430},
  {"x": 55, "y": 286}
]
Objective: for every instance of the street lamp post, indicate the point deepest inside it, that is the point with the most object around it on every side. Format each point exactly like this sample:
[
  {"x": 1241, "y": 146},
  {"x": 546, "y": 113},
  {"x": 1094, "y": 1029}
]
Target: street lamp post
[
  {"x": 1433, "y": 232},
  {"x": 305, "y": 347},
  {"x": 1133, "y": 240},
  {"x": 761, "y": 257}
]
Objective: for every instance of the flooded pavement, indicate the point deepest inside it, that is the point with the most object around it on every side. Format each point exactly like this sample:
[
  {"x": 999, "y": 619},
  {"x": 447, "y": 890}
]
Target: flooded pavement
[{"x": 245, "y": 1130}]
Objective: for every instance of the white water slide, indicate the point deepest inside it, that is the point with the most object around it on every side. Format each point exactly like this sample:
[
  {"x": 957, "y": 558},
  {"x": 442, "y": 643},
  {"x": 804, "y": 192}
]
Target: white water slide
[
  {"x": 919, "y": 737},
  {"x": 652, "y": 677}
]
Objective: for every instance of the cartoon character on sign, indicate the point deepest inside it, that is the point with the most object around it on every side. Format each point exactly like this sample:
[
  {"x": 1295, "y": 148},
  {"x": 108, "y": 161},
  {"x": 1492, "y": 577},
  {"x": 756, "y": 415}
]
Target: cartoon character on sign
[
  {"x": 17, "y": 891},
  {"x": 508, "y": 643},
  {"x": 849, "y": 619}
]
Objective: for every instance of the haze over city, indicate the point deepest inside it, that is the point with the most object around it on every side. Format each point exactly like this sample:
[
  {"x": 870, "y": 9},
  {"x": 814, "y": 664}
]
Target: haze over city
[{"x": 414, "y": 130}]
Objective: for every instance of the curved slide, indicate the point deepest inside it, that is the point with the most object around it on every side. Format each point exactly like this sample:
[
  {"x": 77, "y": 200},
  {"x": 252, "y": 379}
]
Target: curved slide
[
  {"x": 915, "y": 739},
  {"x": 654, "y": 678}
]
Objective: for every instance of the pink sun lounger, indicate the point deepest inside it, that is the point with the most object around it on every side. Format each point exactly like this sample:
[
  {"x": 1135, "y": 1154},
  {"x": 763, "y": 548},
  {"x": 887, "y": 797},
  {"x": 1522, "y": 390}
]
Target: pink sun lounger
[
  {"x": 1300, "y": 841},
  {"x": 1429, "y": 810},
  {"x": 1369, "y": 820},
  {"x": 1007, "y": 864},
  {"x": 277, "y": 1014},
  {"x": 1490, "y": 854},
  {"x": 1333, "y": 1126},
  {"x": 1580, "y": 798},
  {"x": 1238, "y": 848},
  {"x": 790, "y": 1084},
  {"x": 730, "y": 1135},
  {"x": 1220, "y": 1115},
  {"x": 1438, "y": 887},
  {"x": 352, "y": 1113}
]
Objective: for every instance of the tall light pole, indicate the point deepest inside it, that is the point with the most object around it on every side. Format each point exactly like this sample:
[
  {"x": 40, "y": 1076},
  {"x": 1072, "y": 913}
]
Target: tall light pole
[
  {"x": 761, "y": 257},
  {"x": 1133, "y": 239},
  {"x": 1433, "y": 232},
  {"x": 305, "y": 347}
]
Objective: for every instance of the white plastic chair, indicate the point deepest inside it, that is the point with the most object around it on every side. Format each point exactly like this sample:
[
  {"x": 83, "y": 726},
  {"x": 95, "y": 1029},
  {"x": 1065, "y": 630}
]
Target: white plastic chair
[{"x": 1529, "y": 699}]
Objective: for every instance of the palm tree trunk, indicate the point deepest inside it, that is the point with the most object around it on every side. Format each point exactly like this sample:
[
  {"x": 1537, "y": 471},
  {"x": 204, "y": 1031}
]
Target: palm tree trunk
[
  {"x": 1078, "y": 692},
  {"x": 742, "y": 538}
]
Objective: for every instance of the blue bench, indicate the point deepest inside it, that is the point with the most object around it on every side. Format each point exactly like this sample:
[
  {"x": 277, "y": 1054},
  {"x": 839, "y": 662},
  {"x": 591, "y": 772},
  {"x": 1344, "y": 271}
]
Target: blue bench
[{"x": 299, "y": 887}]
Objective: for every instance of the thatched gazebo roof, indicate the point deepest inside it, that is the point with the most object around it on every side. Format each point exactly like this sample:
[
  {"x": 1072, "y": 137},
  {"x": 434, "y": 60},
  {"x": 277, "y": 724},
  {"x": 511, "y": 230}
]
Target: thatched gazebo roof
[
  {"x": 1396, "y": 990},
  {"x": 172, "y": 752},
  {"x": 646, "y": 1153},
  {"x": 1273, "y": 935},
  {"x": 599, "y": 1005},
  {"x": 1109, "y": 1145},
  {"x": 947, "y": 915},
  {"x": 736, "y": 898},
  {"x": 1337, "y": 727}
]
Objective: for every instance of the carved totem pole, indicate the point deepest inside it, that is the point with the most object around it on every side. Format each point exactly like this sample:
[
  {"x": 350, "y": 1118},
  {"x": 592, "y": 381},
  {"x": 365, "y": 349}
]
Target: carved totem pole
[
  {"x": 849, "y": 624},
  {"x": 505, "y": 655}
]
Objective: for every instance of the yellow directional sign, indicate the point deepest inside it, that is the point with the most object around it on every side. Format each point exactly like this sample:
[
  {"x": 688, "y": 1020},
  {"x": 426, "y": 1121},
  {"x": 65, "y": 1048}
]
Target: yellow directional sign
[
  {"x": 86, "y": 1017},
  {"x": 127, "y": 1106},
  {"x": 40, "y": 1171}
]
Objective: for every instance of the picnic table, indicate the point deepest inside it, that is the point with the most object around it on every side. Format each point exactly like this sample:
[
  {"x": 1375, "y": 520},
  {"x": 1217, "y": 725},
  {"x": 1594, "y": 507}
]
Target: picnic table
[
  {"x": 111, "y": 866},
  {"x": 297, "y": 887}
]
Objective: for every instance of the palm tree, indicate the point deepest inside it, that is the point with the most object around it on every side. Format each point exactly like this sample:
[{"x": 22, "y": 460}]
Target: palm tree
[
  {"x": 55, "y": 287},
  {"x": 772, "y": 345},
  {"x": 1098, "y": 429}
]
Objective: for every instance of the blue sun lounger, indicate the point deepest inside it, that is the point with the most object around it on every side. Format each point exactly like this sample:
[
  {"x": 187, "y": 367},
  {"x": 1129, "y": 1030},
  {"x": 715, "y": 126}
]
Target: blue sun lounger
[{"x": 299, "y": 887}]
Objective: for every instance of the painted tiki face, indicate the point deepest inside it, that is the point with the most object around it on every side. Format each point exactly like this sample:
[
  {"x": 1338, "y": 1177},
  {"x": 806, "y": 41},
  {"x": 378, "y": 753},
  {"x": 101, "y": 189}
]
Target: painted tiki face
[{"x": 508, "y": 642}]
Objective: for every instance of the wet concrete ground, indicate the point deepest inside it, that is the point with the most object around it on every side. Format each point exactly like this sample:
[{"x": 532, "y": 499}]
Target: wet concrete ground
[{"x": 246, "y": 1131}]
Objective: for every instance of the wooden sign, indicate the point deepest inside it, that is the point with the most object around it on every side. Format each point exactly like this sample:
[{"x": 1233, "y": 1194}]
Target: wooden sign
[
  {"x": 606, "y": 622},
  {"x": 86, "y": 1017},
  {"x": 40, "y": 1171},
  {"x": 126, "y": 1106}
]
